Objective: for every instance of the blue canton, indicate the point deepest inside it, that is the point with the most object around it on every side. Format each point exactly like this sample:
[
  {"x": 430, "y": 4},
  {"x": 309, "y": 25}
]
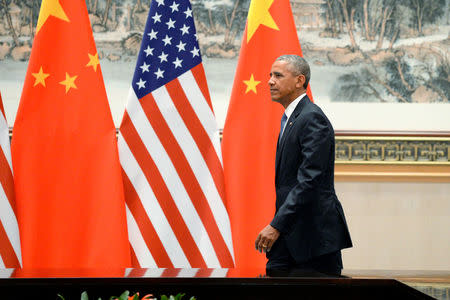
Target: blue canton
[{"x": 169, "y": 46}]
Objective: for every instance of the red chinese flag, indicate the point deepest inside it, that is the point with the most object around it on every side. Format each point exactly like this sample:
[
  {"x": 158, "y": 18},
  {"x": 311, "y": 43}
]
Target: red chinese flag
[
  {"x": 252, "y": 126},
  {"x": 68, "y": 184}
]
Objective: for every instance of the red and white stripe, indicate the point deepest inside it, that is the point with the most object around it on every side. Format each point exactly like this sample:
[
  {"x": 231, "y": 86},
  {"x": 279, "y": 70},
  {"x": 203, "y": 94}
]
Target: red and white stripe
[
  {"x": 8, "y": 273},
  {"x": 10, "y": 255},
  {"x": 170, "y": 153},
  {"x": 181, "y": 273}
]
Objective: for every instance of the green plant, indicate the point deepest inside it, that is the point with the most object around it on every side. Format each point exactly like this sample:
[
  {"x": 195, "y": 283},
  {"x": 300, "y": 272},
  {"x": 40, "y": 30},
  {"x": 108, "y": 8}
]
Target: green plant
[
  {"x": 177, "y": 297},
  {"x": 126, "y": 296}
]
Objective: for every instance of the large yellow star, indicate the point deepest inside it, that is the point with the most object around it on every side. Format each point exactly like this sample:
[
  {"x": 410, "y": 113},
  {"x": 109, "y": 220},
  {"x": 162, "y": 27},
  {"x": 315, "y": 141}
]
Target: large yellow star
[
  {"x": 69, "y": 82},
  {"x": 40, "y": 77},
  {"x": 50, "y": 8},
  {"x": 93, "y": 61},
  {"x": 252, "y": 83},
  {"x": 258, "y": 14}
]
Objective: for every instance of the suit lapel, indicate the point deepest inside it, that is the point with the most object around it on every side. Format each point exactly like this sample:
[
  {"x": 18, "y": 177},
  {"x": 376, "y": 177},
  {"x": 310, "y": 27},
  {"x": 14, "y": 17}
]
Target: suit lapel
[{"x": 289, "y": 125}]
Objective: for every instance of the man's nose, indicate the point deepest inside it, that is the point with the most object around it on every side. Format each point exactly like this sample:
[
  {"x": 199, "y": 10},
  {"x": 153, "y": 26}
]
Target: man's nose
[{"x": 271, "y": 82}]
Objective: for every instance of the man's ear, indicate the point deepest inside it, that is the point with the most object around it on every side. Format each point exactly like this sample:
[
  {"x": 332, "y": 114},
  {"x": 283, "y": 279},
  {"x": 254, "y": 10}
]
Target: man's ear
[{"x": 300, "y": 81}]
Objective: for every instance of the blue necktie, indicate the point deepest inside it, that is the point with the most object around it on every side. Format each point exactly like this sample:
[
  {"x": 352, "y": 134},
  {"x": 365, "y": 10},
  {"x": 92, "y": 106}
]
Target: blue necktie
[{"x": 283, "y": 121}]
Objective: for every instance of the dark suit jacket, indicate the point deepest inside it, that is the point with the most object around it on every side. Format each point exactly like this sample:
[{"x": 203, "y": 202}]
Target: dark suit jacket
[{"x": 308, "y": 213}]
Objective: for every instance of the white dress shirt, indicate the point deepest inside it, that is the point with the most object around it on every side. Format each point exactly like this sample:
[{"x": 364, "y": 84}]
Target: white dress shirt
[{"x": 290, "y": 109}]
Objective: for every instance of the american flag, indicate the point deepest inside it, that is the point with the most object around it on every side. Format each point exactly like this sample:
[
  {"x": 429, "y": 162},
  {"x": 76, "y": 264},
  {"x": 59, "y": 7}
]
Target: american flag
[
  {"x": 170, "y": 152},
  {"x": 176, "y": 272},
  {"x": 10, "y": 255}
]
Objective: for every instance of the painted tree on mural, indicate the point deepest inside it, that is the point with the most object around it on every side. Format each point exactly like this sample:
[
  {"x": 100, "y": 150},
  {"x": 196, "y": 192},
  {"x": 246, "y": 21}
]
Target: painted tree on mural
[
  {"x": 386, "y": 73},
  {"x": 378, "y": 19},
  {"x": 30, "y": 15},
  {"x": 107, "y": 14},
  {"x": 333, "y": 18},
  {"x": 216, "y": 17},
  {"x": 348, "y": 9},
  {"x": 425, "y": 12},
  {"x": 6, "y": 12},
  {"x": 397, "y": 79},
  {"x": 374, "y": 20}
]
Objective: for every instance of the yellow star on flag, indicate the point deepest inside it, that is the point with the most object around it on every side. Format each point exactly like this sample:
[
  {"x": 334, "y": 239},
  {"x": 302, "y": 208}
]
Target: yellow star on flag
[
  {"x": 69, "y": 82},
  {"x": 40, "y": 77},
  {"x": 50, "y": 8},
  {"x": 251, "y": 84},
  {"x": 258, "y": 14},
  {"x": 93, "y": 61}
]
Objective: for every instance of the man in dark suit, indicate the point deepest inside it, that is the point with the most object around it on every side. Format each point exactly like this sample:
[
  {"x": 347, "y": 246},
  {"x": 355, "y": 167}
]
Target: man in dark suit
[{"x": 309, "y": 230}]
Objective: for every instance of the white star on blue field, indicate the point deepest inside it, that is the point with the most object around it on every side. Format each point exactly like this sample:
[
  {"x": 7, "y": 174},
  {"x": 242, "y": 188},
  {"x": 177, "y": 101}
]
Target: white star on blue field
[{"x": 169, "y": 46}]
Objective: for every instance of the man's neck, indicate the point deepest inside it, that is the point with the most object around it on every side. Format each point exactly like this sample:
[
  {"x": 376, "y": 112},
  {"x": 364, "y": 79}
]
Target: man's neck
[
  {"x": 290, "y": 109},
  {"x": 295, "y": 96}
]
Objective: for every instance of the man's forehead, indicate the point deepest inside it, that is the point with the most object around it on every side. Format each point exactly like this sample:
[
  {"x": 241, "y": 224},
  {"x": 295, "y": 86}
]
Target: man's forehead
[
  {"x": 280, "y": 66},
  {"x": 280, "y": 63}
]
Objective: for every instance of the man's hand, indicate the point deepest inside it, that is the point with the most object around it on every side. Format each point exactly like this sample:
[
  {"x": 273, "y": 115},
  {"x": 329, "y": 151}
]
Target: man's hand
[{"x": 266, "y": 238}]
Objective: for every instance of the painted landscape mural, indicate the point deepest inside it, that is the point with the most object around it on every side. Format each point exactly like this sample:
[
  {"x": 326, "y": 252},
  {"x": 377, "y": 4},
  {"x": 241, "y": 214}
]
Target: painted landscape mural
[{"x": 377, "y": 51}]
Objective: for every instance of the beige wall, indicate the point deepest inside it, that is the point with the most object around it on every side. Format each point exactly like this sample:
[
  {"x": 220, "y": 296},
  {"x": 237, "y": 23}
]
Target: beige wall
[{"x": 397, "y": 226}]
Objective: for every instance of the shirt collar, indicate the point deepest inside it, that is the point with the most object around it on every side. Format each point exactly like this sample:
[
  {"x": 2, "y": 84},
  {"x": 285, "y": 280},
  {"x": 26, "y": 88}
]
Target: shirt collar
[{"x": 291, "y": 107}]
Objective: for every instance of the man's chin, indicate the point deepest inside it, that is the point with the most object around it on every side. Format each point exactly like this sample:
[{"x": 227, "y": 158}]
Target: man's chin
[{"x": 277, "y": 100}]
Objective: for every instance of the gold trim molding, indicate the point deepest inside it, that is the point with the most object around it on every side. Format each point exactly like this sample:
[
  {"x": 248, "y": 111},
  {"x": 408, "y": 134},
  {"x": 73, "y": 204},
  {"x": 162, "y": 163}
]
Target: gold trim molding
[
  {"x": 392, "y": 173},
  {"x": 392, "y": 159},
  {"x": 396, "y": 150}
]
